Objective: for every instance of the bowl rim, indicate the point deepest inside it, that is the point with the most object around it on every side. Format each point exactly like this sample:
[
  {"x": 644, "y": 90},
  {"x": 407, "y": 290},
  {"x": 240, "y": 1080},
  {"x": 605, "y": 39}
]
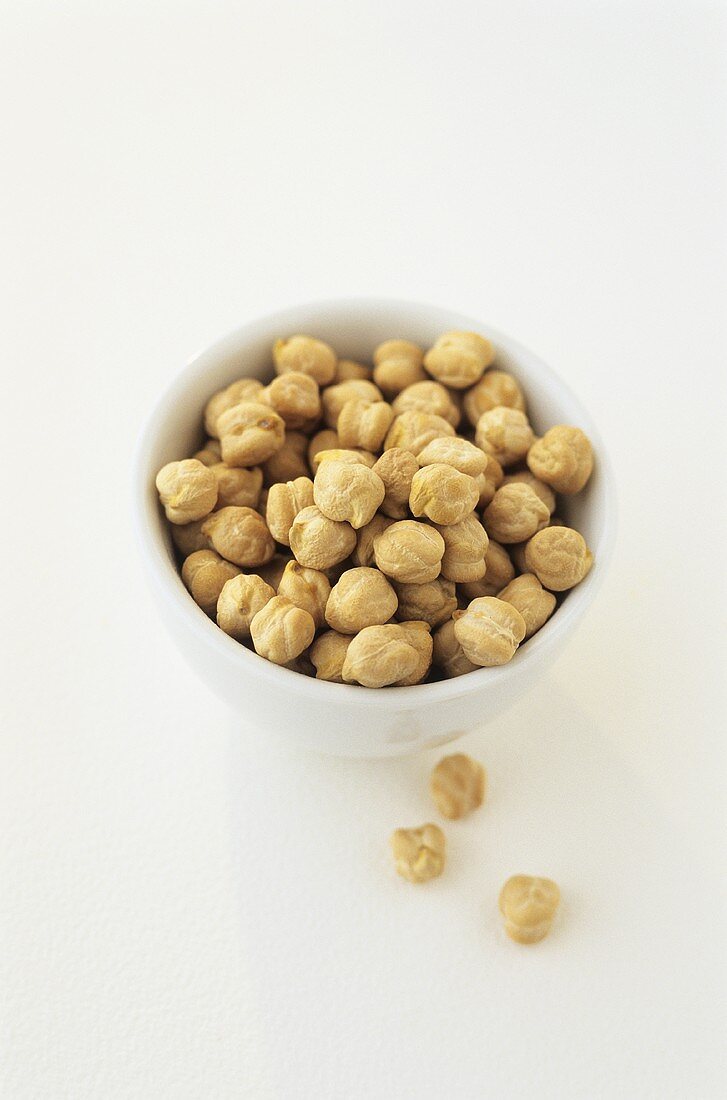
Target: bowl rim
[{"x": 148, "y": 526}]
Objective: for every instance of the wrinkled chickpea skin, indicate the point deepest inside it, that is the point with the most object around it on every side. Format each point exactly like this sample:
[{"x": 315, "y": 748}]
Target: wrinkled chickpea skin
[
  {"x": 505, "y": 434},
  {"x": 306, "y": 588},
  {"x": 515, "y": 513},
  {"x": 409, "y": 551},
  {"x": 205, "y": 574},
  {"x": 240, "y": 535},
  {"x": 419, "y": 854},
  {"x": 347, "y": 492},
  {"x": 239, "y": 602},
  {"x": 285, "y": 501},
  {"x": 187, "y": 489},
  {"x": 361, "y": 597},
  {"x": 364, "y": 424},
  {"x": 334, "y": 398},
  {"x": 398, "y": 364},
  {"x": 496, "y": 388},
  {"x": 489, "y": 631},
  {"x": 527, "y": 595},
  {"x": 559, "y": 558},
  {"x": 433, "y": 602},
  {"x": 458, "y": 359},
  {"x": 328, "y": 654},
  {"x": 382, "y": 655},
  {"x": 563, "y": 459},
  {"x": 250, "y": 433},
  {"x": 396, "y": 468},
  {"x": 295, "y": 397},
  {"x": 443, "y": 494},
  {"x": 427, "y": 397},
  {"x": 281, "y": 631},
  {"x": 306, "y": 355},
  {"x": 319, "y": 542}
]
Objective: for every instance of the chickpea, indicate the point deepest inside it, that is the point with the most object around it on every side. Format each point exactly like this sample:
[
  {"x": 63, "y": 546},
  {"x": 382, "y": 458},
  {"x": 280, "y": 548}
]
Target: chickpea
[
  {"x": 290, "y": 462},
  {"x": 285, "y": 501},
  {"x": 362, "y": 597},
  {"x": 411, "y": 431},
  {"x": 433, "y": 602},
  {"x": 497, "y": 387},
  {"x": 244, "y": 389},
  {"x": 499, "y": 572},
  {"x": 210, "y": 454},
  {"x": 544, "y": 491},
  {"x": 240, "y": 535},
  {"x": 457, "y": 785},
  {"x": 295, "y": 397},
  {"x": 306, "y": 588},
  {"x": 459, "y": 359},
  {"x": 381, "y": 655},
  {"x": 187, "y": 490},
  {"x": 527, "y": 595},
  {"x": 418, "y": 853},
  {"x": 559, "y": 558},
  {"x": 448, "y": 653},
  {"x": 239, "y": 602},
  {"x": 563, "y": 459},
  {"x": 352, "y": 455},
  {"x": 250, "y": 433},
  {"x": 398, "y": 364},
  {"x": 347, "y": 492},
  {"x": 363, "y": 553},
  {"x": 465, "y": 546},
  {"x": 326, "y": 440},
  {"x": 272, "y": 571},
  {"x": 335, "y": 397},
  {"x": 364, "y": 424},
  {"x": 529, "y": 906},
  {"x": 237, "y": 486},
  {"x": 443, "y": 494},
  {"x": 428, "y": 397},
  {"x": 349, "y": 370},
  {"x": 188, "y": 537},
  {"x": 489, "y": 631},
  {"x": 409, "y": 551},
  {"x": 319, "y": 542},
  {"x": 205, "y": 574},
  {"x": 418, "y": 635},
  {"x": 281, "y": 631},
  {"x": 490, "y": 481},
  {"x": 504, "y": 433},
  {"x": 328, "y": 654},
  {"x": 306, "y": 355},
  {"x": 515, "y": 513},
  {"x": 456, "y": 452},
  {"x": 396, "y": 468}
]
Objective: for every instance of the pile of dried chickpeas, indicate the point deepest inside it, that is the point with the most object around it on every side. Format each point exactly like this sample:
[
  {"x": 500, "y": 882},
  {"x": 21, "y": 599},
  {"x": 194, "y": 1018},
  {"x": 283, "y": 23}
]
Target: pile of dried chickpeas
[{"x": 379, "y": 525}]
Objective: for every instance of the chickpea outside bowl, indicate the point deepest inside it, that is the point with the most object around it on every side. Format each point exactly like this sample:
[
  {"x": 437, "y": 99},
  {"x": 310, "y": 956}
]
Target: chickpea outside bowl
[{"x": 344, "y": 718}]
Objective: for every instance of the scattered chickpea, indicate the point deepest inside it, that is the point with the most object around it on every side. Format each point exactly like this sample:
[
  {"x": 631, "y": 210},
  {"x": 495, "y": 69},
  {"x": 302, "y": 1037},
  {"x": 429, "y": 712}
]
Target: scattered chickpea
[
  {"x": 250, "y": 433},
  {"x": 563, "y": 458},
  {"x": 238, "y": 486},
  {"x": 306, "y": 588},
  {"x": 290, "y": 462},
  {"x": 443, "y": 494},
  {"x": 240, "y": 535},
  {"x": 499, "y": 572},
  {"x": 334, "y": 398},
  {"x": 559, "y": 558},
  {"x": 244, "y": 389},
  {"x": 239, "y": 602},
  {"x": 458, "y": 785},
  {"x": 515, "y": 513},
  {"x": 497, "y": 387},
  {"x": 396, "y": 468},
  {"x": 411, "y": 431},
  {"x": 433, "y": 602},
  {"x": 306, "y": 355},
  {"x": 448, "y": 653},
  {"x": 364, "y": 424},
  {"x": 527, "y": 595},
  {"x": 398, "y": 364},
  {"x": 285, "y": 501},
  {"x": 210, "y": 454},
  {"x": 409, "y": 551},
  {"x": 381, "y": 655},
  {"x": 328, "y": 654},
  {"x": 205, "y": 574},
  {"x": 361, "y": 597},
  {"x": 505, "y": 434},
  {"x": 418, "y": 853},
  {"x": 529, "y": 906},
  {"x": 544, "y": 491},
  {"x": 428, "y": 397},
  {"x": 457, "y": 452},
  {"x": 319, "y": 542},
  {"x": 295, "y": 397},
  {"x": 347, "y": 492},
  {"x": 281, "y": 631},
  {"x": 489, "y": 631},
  {"x": 465, "y": 547},
  {"x": 459, "y": 358}
]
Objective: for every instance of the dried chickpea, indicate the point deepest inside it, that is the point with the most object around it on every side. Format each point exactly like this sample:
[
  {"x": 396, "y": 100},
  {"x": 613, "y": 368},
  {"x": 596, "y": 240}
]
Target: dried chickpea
[
  {"x": 465, "y": 547},
  {"x": 490, "y": 481},
  {"x": 239, "y": 602},
  {"x": 458, "y": 785},
  {"x": 187, "y": 490},
  {"x": 529, "y": 906},
  {"x": 306, "y": 355},
  {"x": 489, "y": 631},
  {"x": 433, "y": 602},
  {"x": 410, "y": 552},
  {"x": 348, "y": 370},
  {"x": 559, "y": 558},
  {"x": 442, "y": 494},
  {"x": 334, "y": 398},
  {"x": 497, "y": 387},
  {"x": 505, "y": 434},
  {"x": 418, "y": 853},
  {"x": 364, "y": 424},
  {"x": 281, "y": 631},
  {"x": 448, "y": 653},
  {"x": 210, "y": 454},
  {"x": 515, "y": 513},
  {"x": 328, "y": 654},
  {"x": 306, "y": 588},
  {"x": 398, "y": 364},
  {"x": 205, "y": 574},
  {"x": 363, "y": 552},
  {"x": 499, "y": 572},
  {"x": 362, "y": 597},
  {"x": 295, "y": 397},
  {"x": 244, "y": 389},
  {"x": 563, "y": 459},
  {"x": 459, "y": 359},
  {"x": 188, "y": 537},
  {"x": 241, "y": 535},
  {"x": 381, "y": 655},
  {"x": 352, "y": 455},
  {"x": 347, "y": 492},
  {"x": 411, "y": 431},
  {"x": 290, "y": 462},
  {"x": 527, "y": 595},
  {"x": 419, "y": 636},
  {"x": 238, "y": 486},
  {"x": 428, "y": 397},
  {"x": 319, "y": 542},
  {"x": 273, "y": 570},
  {"x": 250, "y": 433},
  {"x": 544, "y": 491},
  {"x": 325, "y": 440},
  {"x": 285, "y": 501},
  {"x": 396, "y": 468},
  {"x": 456, "y": 452}
]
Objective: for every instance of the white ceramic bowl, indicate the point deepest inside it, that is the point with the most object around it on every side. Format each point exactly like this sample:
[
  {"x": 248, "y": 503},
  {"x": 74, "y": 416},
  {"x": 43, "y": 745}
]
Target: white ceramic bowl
[{"x": 342, "y": 719}]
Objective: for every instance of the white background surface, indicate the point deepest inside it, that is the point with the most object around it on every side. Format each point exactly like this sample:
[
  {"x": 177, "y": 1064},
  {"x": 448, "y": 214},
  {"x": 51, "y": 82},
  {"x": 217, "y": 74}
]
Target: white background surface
[{"x": 189, "y": 909}]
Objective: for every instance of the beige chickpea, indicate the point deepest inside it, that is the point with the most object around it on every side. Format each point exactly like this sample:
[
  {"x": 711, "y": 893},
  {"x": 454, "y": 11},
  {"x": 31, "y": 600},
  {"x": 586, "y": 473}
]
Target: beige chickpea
[
  {"x": 443, "y": 494},
  {"x": 273, "y": 570},
  {"x": 490, "y": 481},
  {"x": 319, "y": 542},
  {"x": 398, "y": 364},
  {"x": 349, "y": 370},
  {"x": 210, "y": 454},
  {"x": 489, "y": 631},
  {"x": 544, "y": 491},
  {"x": 410, "y": 552},
  {"x": 427, "y": 397},
  {"x": 527, "y": 595},
  {"x": 306, "y": 588},
  {"x": 411, "y": 431},
  {"x": 419, "y": 854},
  {"x": 244, "y": 389},
  {"x": 465, "y": 547},
  {"x": 362, "y": 597},
  {"x": 396, "y": 468},
  {"x": 381, "y": 655},
  {"x": 363, "y": 552},
  {"x": 205, "y": 574},
  {"x": 306, "y": 355},
  {"x": 325, "y": 440},
  {"x": 290, "y": 462},
  {"x": 237, "y": 486},
  {"x": 281, "y": 631},
  {"x": 458, "y": 359},
  {"x": 419, "y": 635},
  {"x": 239, "y": 602},
  {"x": 328, "y": 654},
  {"x": 529, "y": 906},
  {"x": 448, "y": 653},
  {"x": 456, "y": 452},
  {"x": 515, "y": 513},
  {"x": 505, "y": 434},
  {"x": 497, "y": 387},
  {"x": 457, "y": 785},
  {"x": 335, "y": 397},
  {"x": 559, "y": 558},
  {"x": 187, "y": 490},
  {"x": 353, "y": 455},
  {"x": 347, "y": 492},
  {"x": 563, "y": 459},
  {"x": 250, "y": 433},
  {"x": 241, "y": 535},
  {"x": 285, "y": 501},
  {"x": 364, "y": 424},
  {"x": 433, "y": 602},
  {"x": 295, "y": 397},
  {"x": 499, "y": 572},
  {"x": 188, "y": 537}
]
